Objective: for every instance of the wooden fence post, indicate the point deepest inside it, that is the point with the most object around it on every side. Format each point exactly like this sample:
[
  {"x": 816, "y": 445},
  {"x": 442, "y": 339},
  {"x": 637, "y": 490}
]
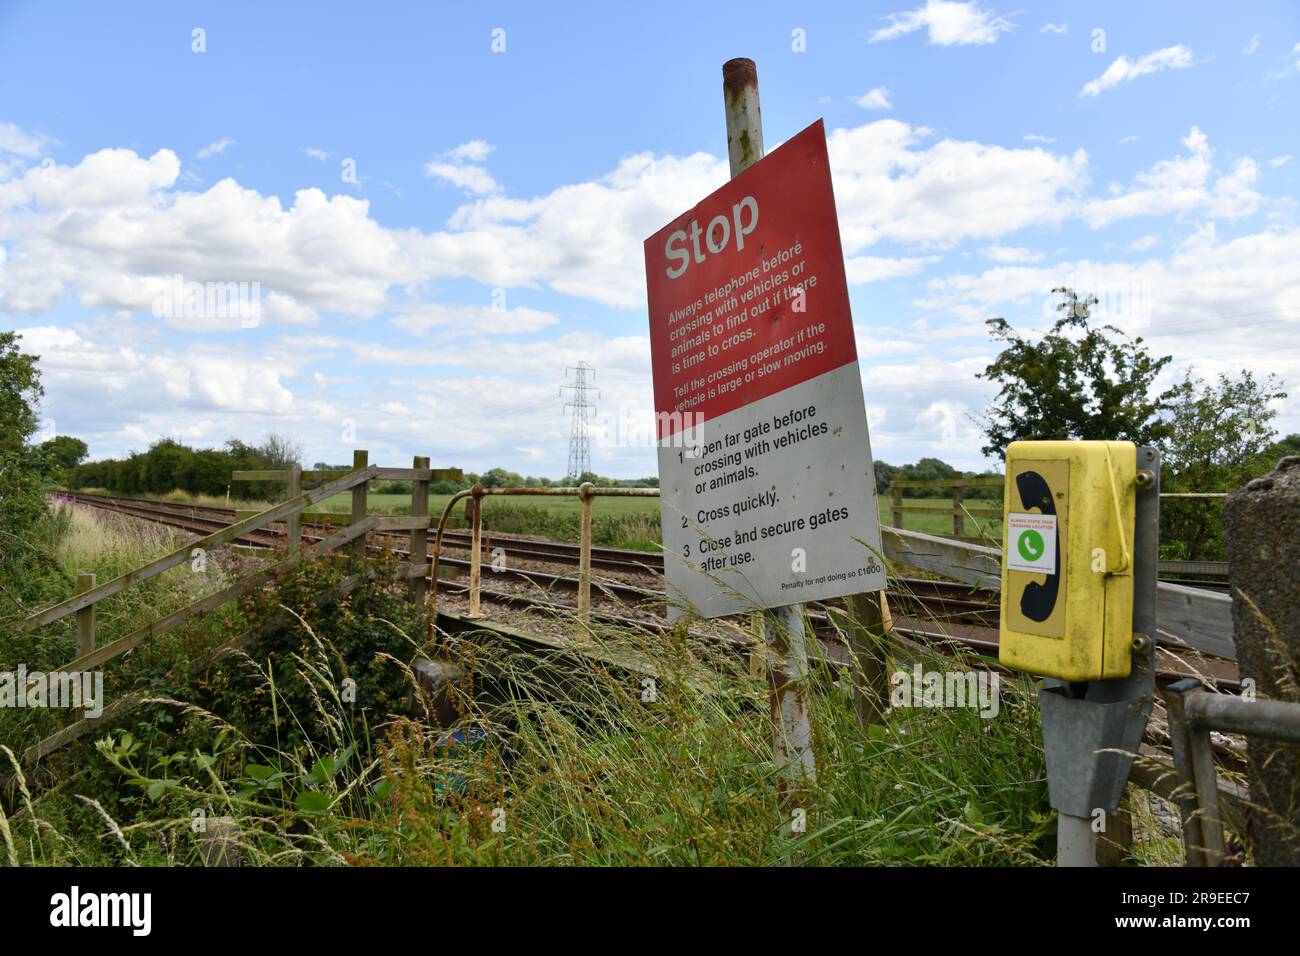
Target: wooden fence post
[
  {"x": 898, "y": 506},
  {"x": 869, "y": 625},
  {"x": 85, "y": 617},
  {"x": 419, "y": 586},
  {"x": 958, "y": 519},
  {"x": 294, "y": 524},
  {"x": 360, "y": 459},
  {"x": 758, "y": 653}
]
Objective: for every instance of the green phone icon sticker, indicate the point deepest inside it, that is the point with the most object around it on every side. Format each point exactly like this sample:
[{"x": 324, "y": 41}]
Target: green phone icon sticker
[{"x": 1030, "y": 545}]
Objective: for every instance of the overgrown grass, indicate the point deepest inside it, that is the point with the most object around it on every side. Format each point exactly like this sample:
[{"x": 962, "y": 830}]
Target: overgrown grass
[
  {"x": 565, "y": 758},
  {"x": 110, "y": 546}
]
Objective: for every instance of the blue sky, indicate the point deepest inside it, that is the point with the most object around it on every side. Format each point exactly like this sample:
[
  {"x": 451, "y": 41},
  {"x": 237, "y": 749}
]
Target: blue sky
[{"x": 491, "y": 234}]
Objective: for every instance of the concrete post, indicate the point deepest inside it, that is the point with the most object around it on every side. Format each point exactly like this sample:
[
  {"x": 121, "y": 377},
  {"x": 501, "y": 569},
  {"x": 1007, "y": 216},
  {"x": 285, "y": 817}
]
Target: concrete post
[{"x": 1262, "y": 526}]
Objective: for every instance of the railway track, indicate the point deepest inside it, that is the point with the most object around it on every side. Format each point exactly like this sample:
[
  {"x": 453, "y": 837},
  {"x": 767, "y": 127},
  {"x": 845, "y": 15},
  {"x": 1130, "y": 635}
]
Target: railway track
[
  {"x": 947, "y": 616},
  {"x": 528, "y": 559},
  {"x": 610, "y": 559}
]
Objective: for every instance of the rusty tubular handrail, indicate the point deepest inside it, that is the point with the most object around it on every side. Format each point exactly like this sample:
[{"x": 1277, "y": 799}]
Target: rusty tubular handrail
[
  {"x": 476, "y": 555},
  {"x": 586, "y": 492},
  {"x": 437, "y": 553}
]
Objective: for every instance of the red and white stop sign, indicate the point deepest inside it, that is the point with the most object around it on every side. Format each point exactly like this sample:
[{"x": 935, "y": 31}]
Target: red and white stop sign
[{"x": 764, "y": 460}]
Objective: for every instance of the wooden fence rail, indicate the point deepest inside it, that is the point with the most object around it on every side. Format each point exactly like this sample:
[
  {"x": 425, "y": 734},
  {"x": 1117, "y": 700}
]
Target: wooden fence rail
[
  {"x": 1189, "y": 617},
  {"x": 956, "y": 487},
  {"x": 154, "y": 568},
  {"x": 88, "y": 594}
]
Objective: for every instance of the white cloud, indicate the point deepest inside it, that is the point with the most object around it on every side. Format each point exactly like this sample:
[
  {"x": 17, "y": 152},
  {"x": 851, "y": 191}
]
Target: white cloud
[
  {"x": 1057, "y": 28},
  {"x": 887, "y": 188},
  {"x": 1036, "y": 138},
  {"x": 20, "y": 143},
  {"x": 1201, "y": 286},
  {"x": 1252, "y": 46},
  {"x": 111, "y": 230},
  {"x": 199, "y": 379},
  {"x": 1180, "y": 185},
  {"x": 109, "y": 178},
  {"x": 1123, "y": 69},
  {"x": 108, "y": 229},
  {"x": 583, "y": 239},
  {"x": 1277, "y": 161},
  {"x": 286, "y": 310},
  {"x": 1291, "y": 65},
  {"x": 951, "y": 424},
  {"x": 948, "y": 23},
  {"x": 116, "y": 226},
  {"x": 475, "y": 179},
  {"x": 1143, "y": 243},
  {"x": 216, "y": 148},
  {"x": 1012, "y": 254},
  {"x": 876, "y": 99},
  {"x": 475, "y": 151},
  {"x": 463, "y": 167},
  {"x": 863, "y": 269},
  {"x": 422, "y": 318},
  {"x": 315, "y": 153}
]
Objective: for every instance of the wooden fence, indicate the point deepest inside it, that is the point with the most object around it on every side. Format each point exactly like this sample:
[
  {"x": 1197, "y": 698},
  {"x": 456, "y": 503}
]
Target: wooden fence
[
  {"x": 353, "y": 536},
  {"x": 959, "y": 508},
  {"x": 956, "y": 488}
]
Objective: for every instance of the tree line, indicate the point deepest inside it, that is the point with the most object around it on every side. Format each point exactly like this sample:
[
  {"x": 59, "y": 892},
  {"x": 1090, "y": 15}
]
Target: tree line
[{"x": 169, "y": 465}]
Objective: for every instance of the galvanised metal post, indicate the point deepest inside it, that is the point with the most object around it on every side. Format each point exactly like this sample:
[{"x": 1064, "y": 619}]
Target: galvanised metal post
[
  {"x": 584, "y": 554},
  {"x": 1193, "y": 713},
  {"x": 1180, "y": 737},
  {"x": 1094, "y": 731},
  {"x": 791, "y": 724},
  {"x": 85, "y": 619}
]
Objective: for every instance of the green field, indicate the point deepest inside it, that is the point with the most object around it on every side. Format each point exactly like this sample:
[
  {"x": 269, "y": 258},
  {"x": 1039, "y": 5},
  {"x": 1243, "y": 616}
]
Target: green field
[
  {"x": 559, "y": 504},
  {"x": 631, "y": 522},
  {"x": 563, "y": 505}
]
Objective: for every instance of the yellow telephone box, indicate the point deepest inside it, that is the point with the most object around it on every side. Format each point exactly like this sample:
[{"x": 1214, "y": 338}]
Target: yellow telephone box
[{"x": 1067, "y": 559}]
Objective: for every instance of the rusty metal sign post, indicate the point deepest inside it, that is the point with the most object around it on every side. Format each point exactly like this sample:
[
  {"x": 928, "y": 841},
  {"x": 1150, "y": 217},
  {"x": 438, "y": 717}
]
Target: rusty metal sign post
[
  {"x": 768, "y": 491},
  {"x": 783, "y": 627}
]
